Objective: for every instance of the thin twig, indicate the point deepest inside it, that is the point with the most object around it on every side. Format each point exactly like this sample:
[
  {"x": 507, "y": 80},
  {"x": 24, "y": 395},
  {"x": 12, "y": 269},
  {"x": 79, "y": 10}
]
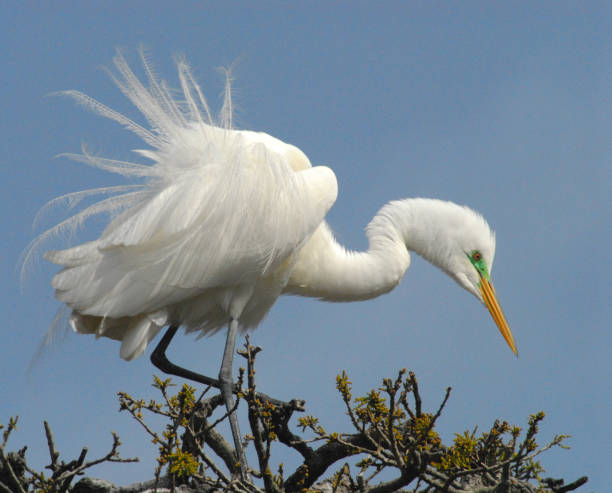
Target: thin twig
[
  {"x": 210, "y": 463},
  {"x": 51, "y": 444},
  {"x": 415, "y": 394}
]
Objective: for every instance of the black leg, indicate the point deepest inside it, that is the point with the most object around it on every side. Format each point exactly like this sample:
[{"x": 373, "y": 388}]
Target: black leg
[{"x": 159, "y": 359}]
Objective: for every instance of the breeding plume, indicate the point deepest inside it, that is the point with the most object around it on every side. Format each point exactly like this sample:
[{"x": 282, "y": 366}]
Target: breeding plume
[{"x": 224, "y": 221}]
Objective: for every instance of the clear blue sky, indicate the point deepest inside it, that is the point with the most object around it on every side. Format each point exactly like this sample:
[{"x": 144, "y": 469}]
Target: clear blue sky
[{"x": 506, "y": 109}]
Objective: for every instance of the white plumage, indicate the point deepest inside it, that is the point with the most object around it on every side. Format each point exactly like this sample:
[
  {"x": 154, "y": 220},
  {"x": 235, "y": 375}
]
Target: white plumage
[{"x": 228, "y": 220}]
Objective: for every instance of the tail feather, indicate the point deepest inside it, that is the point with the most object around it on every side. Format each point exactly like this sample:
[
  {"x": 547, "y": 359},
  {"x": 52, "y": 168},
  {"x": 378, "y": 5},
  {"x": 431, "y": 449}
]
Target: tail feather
[{"x": 135, "y": 333}]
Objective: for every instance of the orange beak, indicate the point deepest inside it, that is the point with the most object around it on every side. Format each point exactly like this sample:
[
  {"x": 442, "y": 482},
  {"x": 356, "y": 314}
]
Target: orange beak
[{"x": 490, "y": 300}]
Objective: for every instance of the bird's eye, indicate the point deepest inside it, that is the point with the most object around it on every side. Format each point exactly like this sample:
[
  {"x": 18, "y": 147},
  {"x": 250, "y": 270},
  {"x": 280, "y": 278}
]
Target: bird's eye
[{"x": 476, "y": 255}]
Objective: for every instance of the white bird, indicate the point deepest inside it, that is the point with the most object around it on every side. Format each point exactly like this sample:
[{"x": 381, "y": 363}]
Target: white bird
[{"x": 225, "y": 221}]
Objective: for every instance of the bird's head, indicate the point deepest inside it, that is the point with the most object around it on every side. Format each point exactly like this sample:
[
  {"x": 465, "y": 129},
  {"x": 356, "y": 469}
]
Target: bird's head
[
  {"x": 472, "y": 263},
  {"x": 452, "y": 237}
]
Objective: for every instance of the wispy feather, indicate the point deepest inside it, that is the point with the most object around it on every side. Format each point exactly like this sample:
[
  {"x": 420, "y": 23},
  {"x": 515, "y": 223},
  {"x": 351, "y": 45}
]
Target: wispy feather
[{"x": 216, "y": 207}]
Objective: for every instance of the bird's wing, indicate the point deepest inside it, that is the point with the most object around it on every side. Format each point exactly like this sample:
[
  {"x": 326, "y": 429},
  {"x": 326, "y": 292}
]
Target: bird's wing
[
  {"x": 218, "y": 207},
  {"x": 230, "y": 219}
]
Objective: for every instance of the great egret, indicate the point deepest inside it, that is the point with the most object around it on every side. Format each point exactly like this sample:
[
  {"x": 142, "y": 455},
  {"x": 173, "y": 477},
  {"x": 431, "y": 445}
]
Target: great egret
[{"x": 228, "y": 220}]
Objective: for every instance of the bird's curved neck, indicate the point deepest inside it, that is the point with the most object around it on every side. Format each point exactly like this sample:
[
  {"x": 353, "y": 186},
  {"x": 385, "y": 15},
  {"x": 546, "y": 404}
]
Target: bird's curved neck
[{"x": 324, "y": 269}]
